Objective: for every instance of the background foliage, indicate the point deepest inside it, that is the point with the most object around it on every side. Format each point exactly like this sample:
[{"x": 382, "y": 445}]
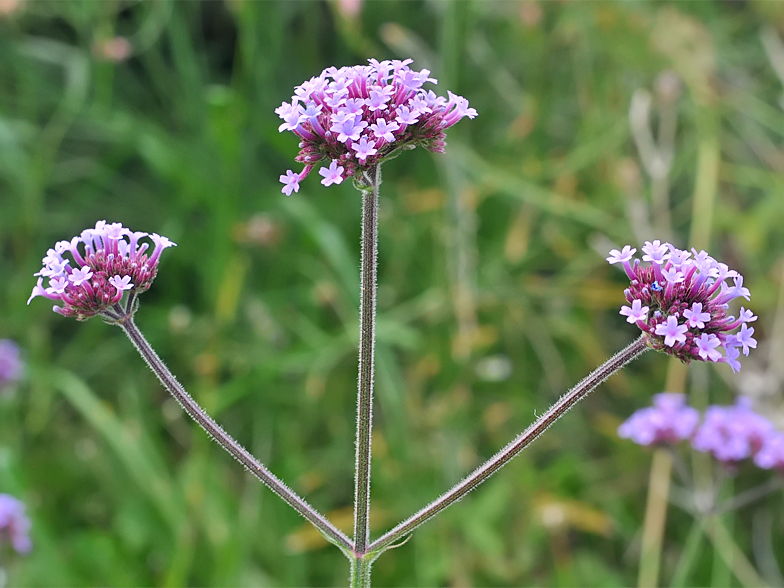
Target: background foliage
[{"x": 494, "y": 293}]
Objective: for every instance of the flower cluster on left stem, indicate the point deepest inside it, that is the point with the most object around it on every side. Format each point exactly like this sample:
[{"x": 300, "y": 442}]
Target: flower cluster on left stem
[{"x": 105, "y": 262}]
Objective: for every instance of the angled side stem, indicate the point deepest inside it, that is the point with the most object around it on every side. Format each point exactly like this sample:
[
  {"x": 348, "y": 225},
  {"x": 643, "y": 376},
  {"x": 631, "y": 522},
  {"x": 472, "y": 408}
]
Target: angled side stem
[
  {"x": 367, "y": 320},
  {"x": 500, "y": 459},
  {"x": 212, "y": 428}
]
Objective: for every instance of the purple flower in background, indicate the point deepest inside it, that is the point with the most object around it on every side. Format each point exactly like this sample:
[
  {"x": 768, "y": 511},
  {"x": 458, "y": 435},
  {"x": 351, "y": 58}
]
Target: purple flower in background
[
  {"x": 108, "y": 260},
  {"x": 359, "y": 116},
  {"x": 11, "y": 364},
  {"x": 669, "y": 420},
  {"x": 733, "y": 433},
  {"x": 14, "y": 524},
  {"x": 771, "y": 454},
  {"x": 686, "y": 298}
]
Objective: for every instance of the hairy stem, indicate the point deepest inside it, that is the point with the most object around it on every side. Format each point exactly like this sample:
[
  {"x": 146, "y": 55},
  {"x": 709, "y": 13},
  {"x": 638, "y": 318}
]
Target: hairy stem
[
  {"x": 500, "y": 459},
  {"x": 367, "y": 320},
  {"x": 242, "y": 455}
]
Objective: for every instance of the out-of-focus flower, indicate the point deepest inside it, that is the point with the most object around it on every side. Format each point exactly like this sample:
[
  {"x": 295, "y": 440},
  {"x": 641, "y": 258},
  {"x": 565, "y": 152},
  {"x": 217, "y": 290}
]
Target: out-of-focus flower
[
  {"x": 14, "y": 524},
  {"x": 669, "y": 420},
  {"x": 680, "y": 301},
  {"x": 11, "y": 365},
  {"x": 116, "y": 49},
  {"x": 356, "y": 117},
  {"x": 349, "y": 8},
  {"x": 733, "y": 433},
  {"x": 8, "y": 7},
  {"x": 111, "y": 261},
  {"x": 771, "y": 454}
]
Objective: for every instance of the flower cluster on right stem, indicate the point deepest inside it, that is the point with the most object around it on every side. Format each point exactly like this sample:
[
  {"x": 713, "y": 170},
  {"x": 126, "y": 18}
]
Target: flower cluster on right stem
[{"x": 680, "y": 300}]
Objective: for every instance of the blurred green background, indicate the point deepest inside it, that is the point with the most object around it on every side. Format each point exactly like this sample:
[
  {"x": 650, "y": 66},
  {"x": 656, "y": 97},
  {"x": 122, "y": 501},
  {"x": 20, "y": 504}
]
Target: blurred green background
[{"x": 494, "y": 295}]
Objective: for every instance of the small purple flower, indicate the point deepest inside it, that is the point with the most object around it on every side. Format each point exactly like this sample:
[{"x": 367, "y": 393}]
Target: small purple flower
[
  {"x": 383, "y": 130},
  {"x": 744, "y": 338},
  {"x": 290, "y": 182},
  {"x": 121, "y": 283},
  {"x": 359, "y": 116},
  {"x": 11, "y": 364},
  {"x": 669, "y": 420},
  {"x": 332, "y": 174},
  {"x": 733, "y": 433},
  {"x": 696, "y": 317},
  {"x": 706, "y": 347},
  {"x": 635, "y": 313},
  {"x": 364, "y": 149},
  {"x": 406, "y": 116},
  {"x": 14, "y": 524},
  {"x": 655, "y": 252},
  {"x": 620, "y": 256},
  {"x": 686, "y": 296},
  {"x": 110, "y": 262},
  {"x": 348, "y": 127},
  {"x": 80, "y": 276},
  {"x": 671, "y": 331}
]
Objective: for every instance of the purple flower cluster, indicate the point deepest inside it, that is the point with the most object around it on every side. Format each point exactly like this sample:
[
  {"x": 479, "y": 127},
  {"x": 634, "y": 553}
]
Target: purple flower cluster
[
  {"x": 14, "y": 524},
  {"x": 11, "y": 364},
  {"x": 112, "y": 260},
  {"x": 358, "y": 116},
  {"x": 680, "y": 301},
  {"x": 730, "y": 433},
  {"x": 669, "y": 420}
]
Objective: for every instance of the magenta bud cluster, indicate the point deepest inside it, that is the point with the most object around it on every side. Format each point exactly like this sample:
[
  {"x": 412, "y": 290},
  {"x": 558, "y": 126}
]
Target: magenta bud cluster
[
  {"x": 102, "y": 264},
  {"x": 355, "y": 117},
  {"x": 680, "y": 301},
  {"x": 730, "y": 433},
  {"x": 14, "y": 524}
]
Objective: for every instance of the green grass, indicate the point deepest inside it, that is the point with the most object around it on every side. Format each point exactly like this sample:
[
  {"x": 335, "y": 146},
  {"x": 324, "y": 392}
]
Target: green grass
[{"x": 491, "y": 251}]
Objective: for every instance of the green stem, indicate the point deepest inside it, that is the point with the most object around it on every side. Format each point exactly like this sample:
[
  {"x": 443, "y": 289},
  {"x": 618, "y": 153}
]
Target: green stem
[
  {"x": 500, "y": 459},
  {"x": 212, "y": 428},
  {"x": 360, "y": 571},
  {"x": 367, "y": 319}
]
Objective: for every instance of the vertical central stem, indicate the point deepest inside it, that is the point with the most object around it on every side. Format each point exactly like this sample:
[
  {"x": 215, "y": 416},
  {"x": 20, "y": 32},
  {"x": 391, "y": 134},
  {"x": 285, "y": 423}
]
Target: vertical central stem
[{"x": 367, "y": 319}]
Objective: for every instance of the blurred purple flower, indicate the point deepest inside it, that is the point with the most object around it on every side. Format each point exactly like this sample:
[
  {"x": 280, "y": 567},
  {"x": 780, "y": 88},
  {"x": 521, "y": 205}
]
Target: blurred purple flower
[
  {"x": 680, "y": 302},
  {"x": 669, "y": 420},
  {"x": 733, "y": 433},
  {"x": 11, "y": 365},
  {"x": 110, "y": 261},
  {"x": 14, "y": 524},
  {"x": 771, "y": 454},
  {"x": 356, "y": 117}
]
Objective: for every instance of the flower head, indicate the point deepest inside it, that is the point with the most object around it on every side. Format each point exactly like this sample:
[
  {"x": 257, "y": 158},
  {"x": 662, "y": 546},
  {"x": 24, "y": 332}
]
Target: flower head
[
  {"x": 680, "y": 300},
  {"x": 104, "y": 263},
  {"x": 669, "y": 420},
  {"x": 358, "y": 116},
  {"x": 734, "y": 433},
  {"x": 14, "y": 524},
  {"x": 11, "y": 364}
]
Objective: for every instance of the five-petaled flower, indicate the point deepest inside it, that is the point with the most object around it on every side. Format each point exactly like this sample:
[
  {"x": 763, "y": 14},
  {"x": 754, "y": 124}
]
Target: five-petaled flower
[
  {"x": 105, "y": 262},
  {"x": 680, "y": 302},
  {"x": 356, "y": 117}
]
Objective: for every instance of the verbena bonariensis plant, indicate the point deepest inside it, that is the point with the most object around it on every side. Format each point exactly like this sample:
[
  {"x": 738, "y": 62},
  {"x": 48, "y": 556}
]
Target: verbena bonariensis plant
[{"x": 356, "y": 118}]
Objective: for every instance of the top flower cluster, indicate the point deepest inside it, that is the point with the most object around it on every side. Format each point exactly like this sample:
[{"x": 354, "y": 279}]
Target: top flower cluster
[
  {"x": 113, "y": 261},
  {"x": 358, "y": 116},
  {"x": 680, "y": 301}
]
